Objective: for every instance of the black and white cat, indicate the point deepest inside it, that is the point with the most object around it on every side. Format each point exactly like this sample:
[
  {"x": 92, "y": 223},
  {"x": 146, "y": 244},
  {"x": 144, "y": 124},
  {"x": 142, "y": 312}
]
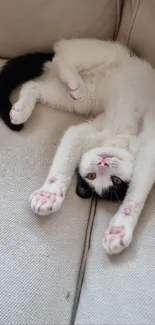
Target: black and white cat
[{"x": 114, "y": 151}]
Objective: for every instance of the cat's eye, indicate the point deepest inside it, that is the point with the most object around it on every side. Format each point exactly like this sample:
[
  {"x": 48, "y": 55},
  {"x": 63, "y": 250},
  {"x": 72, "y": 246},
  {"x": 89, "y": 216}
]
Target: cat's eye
[
  {"x": 116, "y": 180},
  {"x": 91, "y": 176}
]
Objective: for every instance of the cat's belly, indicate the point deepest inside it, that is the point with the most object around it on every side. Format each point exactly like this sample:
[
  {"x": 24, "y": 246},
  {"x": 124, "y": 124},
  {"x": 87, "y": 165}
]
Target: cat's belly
[
  {"x": 107, "y": 139},
  {"x": 54, "y": 93}
]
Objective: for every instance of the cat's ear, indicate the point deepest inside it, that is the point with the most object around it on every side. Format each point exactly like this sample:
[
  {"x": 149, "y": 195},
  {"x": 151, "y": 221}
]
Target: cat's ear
[{"x": 83, "y": 189}]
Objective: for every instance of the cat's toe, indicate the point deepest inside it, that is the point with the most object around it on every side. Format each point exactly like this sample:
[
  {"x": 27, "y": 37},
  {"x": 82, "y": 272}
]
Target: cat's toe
[{"x": 77, "y": 93}]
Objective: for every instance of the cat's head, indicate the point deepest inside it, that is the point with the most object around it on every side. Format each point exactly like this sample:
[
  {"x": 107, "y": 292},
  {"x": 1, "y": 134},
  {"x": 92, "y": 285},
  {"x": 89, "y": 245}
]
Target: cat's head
[{"x": 105, "y": 171}]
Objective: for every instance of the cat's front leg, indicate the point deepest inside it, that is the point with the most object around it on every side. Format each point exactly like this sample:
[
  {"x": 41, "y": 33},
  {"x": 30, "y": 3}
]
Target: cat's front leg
[
  {"x": 119, "y": 234},
  {"x": 69, "y": 76},
  {"x": 51, "y": 195}
]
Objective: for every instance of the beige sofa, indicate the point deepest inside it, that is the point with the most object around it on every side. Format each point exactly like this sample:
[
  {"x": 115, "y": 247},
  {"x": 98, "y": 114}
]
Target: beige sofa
[{"x": 53, "y": 270}]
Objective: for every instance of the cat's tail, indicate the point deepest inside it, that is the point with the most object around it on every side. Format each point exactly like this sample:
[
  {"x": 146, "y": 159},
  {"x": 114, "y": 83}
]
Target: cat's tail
[{"x": 16, "y": 72}]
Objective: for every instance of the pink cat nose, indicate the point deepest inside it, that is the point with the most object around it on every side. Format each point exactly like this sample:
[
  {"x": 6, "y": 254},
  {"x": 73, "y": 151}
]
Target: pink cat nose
[
  {"x": 103, "y": 164},
  {"x": 106, "y": 165},
  {"x": 103, "y": 161}
]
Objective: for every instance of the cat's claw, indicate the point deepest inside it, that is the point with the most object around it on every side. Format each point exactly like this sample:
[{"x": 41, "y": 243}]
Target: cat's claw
[
  {"x": 118, "y": 236},
  {"x": 44, "y": 202},
  {"x": 19, "y": 114}
]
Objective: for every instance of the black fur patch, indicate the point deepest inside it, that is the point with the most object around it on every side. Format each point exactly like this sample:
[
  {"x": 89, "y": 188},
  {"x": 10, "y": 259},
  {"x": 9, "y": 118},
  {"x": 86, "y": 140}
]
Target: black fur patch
[
  {"x": 15, "y": 72},
  {"x": 83, "y": 189},
  {"x": 114, "y": 193}
]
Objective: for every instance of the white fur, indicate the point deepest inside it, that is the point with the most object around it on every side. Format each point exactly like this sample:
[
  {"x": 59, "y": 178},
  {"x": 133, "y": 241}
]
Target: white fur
[
  {"x": 120, "y": 165},
  {"x": 120, "y": 90}
]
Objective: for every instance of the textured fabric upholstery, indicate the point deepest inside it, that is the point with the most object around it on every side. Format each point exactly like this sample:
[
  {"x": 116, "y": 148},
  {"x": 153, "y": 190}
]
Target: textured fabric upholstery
[
  {"x": 33, "y": 25},
  {"x": 39, "y": 257},
  {"x": 120, "y": 289},
  {"x": 138, "y": 27}
]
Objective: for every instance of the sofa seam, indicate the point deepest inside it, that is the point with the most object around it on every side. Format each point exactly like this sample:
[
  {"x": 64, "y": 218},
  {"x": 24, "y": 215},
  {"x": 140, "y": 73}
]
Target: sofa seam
[
  {"x": 119, "y": 10},
  {"x": 133, "y": 18},
  {"x": 83, "y": 261}
]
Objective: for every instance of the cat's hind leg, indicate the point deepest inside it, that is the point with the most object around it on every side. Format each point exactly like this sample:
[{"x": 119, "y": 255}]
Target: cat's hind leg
[{"x": 22, "y": 109}]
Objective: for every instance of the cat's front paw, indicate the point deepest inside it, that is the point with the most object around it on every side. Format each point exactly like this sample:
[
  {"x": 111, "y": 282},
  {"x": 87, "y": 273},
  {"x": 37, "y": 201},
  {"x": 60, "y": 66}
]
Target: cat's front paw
[
  {"x": 119, "y": 234},
  {"x": 19, "y": 113},
  {"x": 78, "y": 92},
  {"x": 47, "y": 200}
]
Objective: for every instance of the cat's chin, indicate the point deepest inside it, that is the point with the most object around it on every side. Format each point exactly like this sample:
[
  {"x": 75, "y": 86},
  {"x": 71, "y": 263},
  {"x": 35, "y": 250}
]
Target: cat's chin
[{"x": 112, "y": 152}]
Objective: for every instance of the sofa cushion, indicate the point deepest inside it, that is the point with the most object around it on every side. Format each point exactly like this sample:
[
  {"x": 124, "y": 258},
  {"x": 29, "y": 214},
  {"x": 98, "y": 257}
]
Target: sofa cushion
[
  {"x": 39, "y": 256},
  {"x": 120, "y": 289},
  {"x": 33, "y": 25},
  {"x": 137, "y": 27}
]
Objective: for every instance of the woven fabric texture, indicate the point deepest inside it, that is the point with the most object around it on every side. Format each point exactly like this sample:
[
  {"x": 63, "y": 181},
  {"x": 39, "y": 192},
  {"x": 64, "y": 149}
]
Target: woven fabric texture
[
  {"x": 120, "y": 289},
  {"x": 39, "y": 256},
  {"x": 33, "y": 25},
  {"x": 138, "y": 27}
]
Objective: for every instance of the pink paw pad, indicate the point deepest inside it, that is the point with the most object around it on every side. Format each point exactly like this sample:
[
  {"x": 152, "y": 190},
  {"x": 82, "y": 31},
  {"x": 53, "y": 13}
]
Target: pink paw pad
[
  {"x": 115, "y": 230},
  {"x": 122, "y": 233},
  {"x": 72, "y": 96},
  {"x": 52, "y": 179},
  {"x": 41, "y": 198},
  {"x": 53, "y": 198},
  {"x": 127, "y": 211},
  {"x": 118, "y": 230}
]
